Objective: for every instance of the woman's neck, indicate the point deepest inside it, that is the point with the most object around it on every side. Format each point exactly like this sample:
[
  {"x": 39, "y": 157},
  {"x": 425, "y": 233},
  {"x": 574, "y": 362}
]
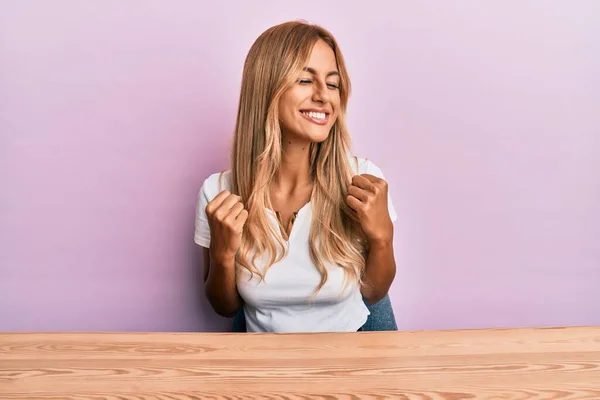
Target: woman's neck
[{"x": 294, "y": 171}]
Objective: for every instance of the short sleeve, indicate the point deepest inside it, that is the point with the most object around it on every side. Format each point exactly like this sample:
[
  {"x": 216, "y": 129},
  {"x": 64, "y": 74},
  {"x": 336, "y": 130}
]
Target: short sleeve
[
  {"x": 202, "y": 231},
  {"x": 368, "y": 167},
  {"x": 211, "y": 187}
]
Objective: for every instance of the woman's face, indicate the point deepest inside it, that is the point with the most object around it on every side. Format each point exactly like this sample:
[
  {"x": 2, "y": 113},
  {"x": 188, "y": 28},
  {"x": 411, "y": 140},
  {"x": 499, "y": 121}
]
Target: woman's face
[{"x": 308, "y": 110}]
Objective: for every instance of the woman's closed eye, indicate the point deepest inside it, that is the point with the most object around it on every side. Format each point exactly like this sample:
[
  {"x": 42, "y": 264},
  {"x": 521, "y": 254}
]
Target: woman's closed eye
[{"x": 331, "y": 85}]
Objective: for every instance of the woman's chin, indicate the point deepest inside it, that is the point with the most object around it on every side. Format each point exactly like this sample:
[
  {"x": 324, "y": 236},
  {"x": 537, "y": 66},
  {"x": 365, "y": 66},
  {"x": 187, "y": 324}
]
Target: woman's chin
[
  {"x": 318, "y": 136},
  {"x": 309, "y": 136},
  {"x": 318, "y": 139}
]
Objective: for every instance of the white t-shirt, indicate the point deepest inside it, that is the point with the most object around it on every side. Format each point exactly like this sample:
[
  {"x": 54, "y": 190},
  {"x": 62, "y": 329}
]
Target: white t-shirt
[{"x": 282, "y": 302}]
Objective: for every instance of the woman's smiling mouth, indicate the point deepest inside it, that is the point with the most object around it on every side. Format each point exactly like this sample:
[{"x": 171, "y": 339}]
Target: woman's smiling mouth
[{"x": 319, "y": 118}]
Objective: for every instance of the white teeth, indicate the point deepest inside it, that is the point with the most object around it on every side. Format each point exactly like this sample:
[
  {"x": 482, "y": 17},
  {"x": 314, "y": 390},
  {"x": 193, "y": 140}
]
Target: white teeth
[{"x": 314, "y": 115}]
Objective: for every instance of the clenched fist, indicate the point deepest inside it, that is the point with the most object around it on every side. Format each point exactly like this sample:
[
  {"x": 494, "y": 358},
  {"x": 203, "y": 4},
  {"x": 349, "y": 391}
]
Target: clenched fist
[
  {"x": 368, "y": 196},
  {"x": 226, "y": 219}
]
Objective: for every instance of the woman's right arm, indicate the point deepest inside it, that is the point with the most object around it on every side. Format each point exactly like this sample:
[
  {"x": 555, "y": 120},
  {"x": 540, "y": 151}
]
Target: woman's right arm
[{"x": 226, "y": 217}]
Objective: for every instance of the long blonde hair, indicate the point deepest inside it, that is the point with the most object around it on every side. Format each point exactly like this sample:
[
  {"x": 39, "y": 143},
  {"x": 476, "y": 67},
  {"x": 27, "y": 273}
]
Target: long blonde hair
[{"x": 273, "y": 65}]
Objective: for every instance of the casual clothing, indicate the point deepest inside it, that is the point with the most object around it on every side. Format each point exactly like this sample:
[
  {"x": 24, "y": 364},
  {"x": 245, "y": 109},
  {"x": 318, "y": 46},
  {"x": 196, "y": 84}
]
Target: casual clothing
[{"x": 282, "y": 302}]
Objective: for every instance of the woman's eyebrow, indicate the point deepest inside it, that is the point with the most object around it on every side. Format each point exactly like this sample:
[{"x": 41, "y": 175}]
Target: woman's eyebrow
[{"x": 314, "y": 72}]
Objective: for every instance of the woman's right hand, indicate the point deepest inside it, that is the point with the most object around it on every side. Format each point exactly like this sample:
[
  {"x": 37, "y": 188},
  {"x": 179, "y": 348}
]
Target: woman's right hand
[{"x": 226, "y": 218}]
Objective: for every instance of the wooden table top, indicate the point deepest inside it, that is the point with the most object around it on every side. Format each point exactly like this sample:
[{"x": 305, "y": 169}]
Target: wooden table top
[{"x": 543, "y": 363}]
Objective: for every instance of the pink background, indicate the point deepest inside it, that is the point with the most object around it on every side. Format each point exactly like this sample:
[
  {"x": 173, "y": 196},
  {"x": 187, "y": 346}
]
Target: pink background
[{"x": 485, "y": 118}]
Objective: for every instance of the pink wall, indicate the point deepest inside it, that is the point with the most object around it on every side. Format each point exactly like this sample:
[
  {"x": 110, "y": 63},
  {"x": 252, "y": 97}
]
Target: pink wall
[{"x": 485, "y": 118}]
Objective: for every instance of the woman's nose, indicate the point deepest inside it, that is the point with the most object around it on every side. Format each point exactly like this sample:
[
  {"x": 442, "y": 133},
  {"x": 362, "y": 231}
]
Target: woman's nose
[{"x": 320, "y": 93}]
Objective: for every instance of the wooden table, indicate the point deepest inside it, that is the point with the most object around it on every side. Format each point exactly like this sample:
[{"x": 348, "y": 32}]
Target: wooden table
[{"x": 550, "y": 363}]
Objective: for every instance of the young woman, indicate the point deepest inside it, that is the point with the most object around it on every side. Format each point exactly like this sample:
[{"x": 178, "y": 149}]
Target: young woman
[{"x": 298, "y": 232}]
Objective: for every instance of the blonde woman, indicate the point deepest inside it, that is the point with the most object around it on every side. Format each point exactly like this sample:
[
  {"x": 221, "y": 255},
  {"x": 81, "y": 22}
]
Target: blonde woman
[{"x": 298, "y": 232}]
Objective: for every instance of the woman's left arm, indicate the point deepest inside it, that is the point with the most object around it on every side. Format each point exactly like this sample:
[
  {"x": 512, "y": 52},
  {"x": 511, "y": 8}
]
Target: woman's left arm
[
  {"x": 380, "y": 272},
  {"x": 368, "y": 196}
]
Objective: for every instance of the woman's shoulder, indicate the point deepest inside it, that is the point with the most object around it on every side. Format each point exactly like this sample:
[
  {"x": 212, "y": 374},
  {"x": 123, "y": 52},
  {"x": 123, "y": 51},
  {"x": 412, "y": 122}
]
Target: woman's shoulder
[{"x": 216, "y": 183}]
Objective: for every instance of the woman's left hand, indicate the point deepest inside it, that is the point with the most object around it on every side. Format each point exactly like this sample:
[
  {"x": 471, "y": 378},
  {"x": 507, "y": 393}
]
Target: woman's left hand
[{"x": 368, "y": 196}]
